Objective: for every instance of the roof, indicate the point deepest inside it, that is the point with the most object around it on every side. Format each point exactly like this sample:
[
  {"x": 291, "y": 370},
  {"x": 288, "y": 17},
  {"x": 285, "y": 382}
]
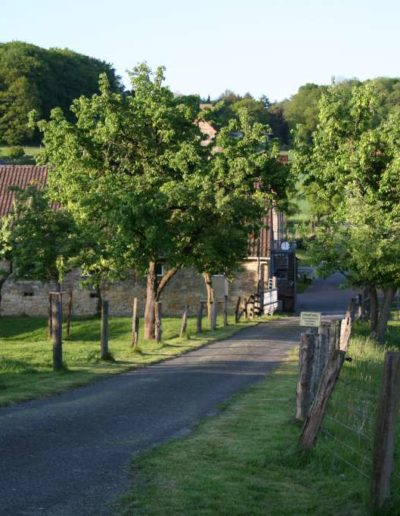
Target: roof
[{"x": 18, "y": 175}]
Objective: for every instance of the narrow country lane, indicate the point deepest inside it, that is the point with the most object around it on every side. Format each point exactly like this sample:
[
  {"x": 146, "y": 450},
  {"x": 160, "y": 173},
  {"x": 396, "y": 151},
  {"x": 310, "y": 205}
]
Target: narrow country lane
[{"x": 70, "y": 454}]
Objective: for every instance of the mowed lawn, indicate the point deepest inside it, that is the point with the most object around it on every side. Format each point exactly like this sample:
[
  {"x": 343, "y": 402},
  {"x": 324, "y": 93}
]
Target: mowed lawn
[
  {"x": 26, "y": 353},
  {"x": 245, "y": 461}
]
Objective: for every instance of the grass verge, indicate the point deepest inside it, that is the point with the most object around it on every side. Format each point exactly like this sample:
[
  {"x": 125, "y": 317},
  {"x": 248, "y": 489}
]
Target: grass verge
[
  {"x": 245, "y": 461},
  {"x": 26, "y": 353}
]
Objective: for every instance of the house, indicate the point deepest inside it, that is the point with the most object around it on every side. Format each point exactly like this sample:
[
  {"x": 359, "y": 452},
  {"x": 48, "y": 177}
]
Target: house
[{"x": 186, "y": 287}]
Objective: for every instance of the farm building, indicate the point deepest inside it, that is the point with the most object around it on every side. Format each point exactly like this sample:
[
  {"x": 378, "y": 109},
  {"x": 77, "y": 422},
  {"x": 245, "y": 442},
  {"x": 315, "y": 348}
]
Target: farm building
[{"x": 186, "y": 288}]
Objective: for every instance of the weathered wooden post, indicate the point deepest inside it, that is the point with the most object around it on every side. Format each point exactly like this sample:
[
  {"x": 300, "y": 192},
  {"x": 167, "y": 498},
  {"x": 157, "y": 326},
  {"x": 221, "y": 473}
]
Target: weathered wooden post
[
  {"x": 316, "y": 415},
  {"x": 199, "y": 318},
  {"x": 385, "y": 431},
  {"x": 334, "y": 341},
  {"x": 225, "y": 310},
  {"x": 303, "y": 391},
  {"x": 237, "y": 309},
  {"x": 184, "y": 322},
  {"x": 324, "y": 337},
  {"x": 104, "y": 335},
  {"x": 57, "y": 330},
  {"x": 135, "y": 324},
  {"x": 345, "y": 332},
  {"x": 214, "y": 312},
  {"x": 50, "y": 317},
  {"x": 69, "y": 314},
  {"x": 158, "y": 321}
]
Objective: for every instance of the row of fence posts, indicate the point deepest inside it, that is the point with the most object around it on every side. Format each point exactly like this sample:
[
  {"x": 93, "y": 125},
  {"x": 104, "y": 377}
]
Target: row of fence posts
[
  {"x": 185, "y": 315},
  {"x": 56, "y": 319},
  {"x": 321, "y": 357}
]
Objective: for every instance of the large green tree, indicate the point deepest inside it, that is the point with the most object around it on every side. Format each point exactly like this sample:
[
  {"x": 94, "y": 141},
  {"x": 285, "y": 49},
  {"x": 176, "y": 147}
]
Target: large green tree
[
  {"x": 33, "y": 78},
  {"x": 130, "y": 170},
  {"x": 352, "y": 175},
  {"x": 134, "y": 172}
]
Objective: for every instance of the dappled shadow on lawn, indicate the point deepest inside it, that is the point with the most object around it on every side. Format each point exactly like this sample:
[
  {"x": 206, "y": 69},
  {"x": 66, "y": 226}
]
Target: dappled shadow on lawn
[
  {"x": 23, "y": 328},
  {"x": 12, "y": 366}
]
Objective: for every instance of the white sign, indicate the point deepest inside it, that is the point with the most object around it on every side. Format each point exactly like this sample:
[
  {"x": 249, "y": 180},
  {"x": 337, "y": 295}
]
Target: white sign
[{"x": 310, "y": 319}]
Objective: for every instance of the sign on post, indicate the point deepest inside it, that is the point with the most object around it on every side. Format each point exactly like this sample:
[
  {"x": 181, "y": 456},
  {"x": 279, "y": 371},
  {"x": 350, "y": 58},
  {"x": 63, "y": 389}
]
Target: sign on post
[{"x": 310, "y": 319}]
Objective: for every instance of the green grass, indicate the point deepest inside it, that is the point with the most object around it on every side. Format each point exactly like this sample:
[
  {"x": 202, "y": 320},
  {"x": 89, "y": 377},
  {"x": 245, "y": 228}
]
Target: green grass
[
  {"x": 29, "y": 158},
  {"x": 245, "y": 461},
  {"x": 26, "y": 353}
]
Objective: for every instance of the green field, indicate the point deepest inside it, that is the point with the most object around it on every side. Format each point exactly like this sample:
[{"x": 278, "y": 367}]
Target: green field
[
  {"x": 26, "y": 353},
  {"x": 245, "y": 460},
  {"x": 28, "y": 158}
]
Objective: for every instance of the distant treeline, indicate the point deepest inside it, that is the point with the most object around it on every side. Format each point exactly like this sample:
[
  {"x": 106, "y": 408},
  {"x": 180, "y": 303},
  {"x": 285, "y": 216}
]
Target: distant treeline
[
  {"x": 33, "y": 78},
  {"x": 301, "y": 108}
]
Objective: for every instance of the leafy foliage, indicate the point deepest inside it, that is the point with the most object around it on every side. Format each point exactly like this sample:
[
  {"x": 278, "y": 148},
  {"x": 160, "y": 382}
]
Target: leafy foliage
[
  {"x": 38, "y": 239},
  {"x": 352, "y": 176},
  {"x": 32, "y": 78}
]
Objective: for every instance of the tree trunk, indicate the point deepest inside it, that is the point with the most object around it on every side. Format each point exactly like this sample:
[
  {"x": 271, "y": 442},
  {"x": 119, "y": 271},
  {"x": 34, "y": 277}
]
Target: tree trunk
[
  {"x": 151, "y": 295},
  {"x": 210, "y": 293},
  {"x": 374, "y": 310},
  {"x": 99, "y": 303},
  {"x": 384, "y": 315}
]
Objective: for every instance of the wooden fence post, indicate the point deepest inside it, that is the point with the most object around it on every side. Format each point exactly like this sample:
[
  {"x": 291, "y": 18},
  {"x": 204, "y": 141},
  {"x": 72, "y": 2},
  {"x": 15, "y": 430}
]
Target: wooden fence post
[
  {"x": 237, "y": 315},
  {"x": 57, "y": 331},
  {"x": 385, "y": 430},
  {"x": 69, "y": 314},
  {"x": 335, "y": 336},
  {"x": 306, "y": 358},
  {"x": 345, "y": 332},
  {"x": 199, "y": 319},
  {"x": 104, "y": 335},
  {"x": 158, "y": 321},
  {"x": 314, "y": 419},
  {"x": 50, "y": 318},
  {"x": 225, "y": 310},
  {"x": 184, "y": 322},
  {"x": 135, "y": 324},
  {"x": 214, "y": 311},
  {"x": 324, "y": 338}
]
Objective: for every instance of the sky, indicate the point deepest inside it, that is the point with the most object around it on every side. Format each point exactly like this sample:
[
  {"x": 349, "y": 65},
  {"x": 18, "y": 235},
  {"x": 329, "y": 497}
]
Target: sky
[{"x": 264, "y": 47}]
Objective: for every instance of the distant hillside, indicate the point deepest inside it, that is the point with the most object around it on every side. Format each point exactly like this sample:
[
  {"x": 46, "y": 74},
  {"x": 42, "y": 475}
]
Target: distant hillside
[{"x": 35, "y": 78}]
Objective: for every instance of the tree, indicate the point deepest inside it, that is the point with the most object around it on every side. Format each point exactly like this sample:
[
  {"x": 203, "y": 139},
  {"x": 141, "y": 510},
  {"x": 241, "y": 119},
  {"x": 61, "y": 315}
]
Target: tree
[
  {"x": 303, "y": 108},
  {"x": 245, "y": 179},
  {"x": 352, "y": 172},
  {"x": 130, "y": 170},
  {"x": 35, "y": 78},
  {"x": 38, "y": 239}
]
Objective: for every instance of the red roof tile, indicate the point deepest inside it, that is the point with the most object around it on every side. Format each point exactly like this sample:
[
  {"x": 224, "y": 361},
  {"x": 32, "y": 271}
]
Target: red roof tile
[{"x": 18, "y": 175}]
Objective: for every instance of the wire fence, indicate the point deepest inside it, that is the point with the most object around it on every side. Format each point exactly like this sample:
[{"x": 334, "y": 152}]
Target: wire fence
[{"x": 348, "y": 430}]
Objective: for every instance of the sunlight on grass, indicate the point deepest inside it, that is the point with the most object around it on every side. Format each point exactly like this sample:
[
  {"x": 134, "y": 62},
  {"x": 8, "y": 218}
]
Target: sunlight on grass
[
  {"x": 245, "y": 460},
  {"x": 26, "y": 353}
]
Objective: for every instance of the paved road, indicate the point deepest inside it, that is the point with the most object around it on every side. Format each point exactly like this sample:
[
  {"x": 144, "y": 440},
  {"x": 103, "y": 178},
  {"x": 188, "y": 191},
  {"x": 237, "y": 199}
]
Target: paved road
[
  {"x": 326, "y": 296},
  {"x": 70, "y": 454}
]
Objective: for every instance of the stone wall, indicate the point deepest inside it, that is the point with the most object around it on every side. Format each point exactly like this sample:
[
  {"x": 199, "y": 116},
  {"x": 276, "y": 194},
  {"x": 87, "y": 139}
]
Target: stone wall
[{"x": 186, "y": 288}]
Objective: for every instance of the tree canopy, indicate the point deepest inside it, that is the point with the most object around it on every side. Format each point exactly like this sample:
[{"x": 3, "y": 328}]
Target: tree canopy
[
  {"x": 352, "y": 175},
  {"x": 33, "y": 78},
  {"x": 133, "y": 170}
]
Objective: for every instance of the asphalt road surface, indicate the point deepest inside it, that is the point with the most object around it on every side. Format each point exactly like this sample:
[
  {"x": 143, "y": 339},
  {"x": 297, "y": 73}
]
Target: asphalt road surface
[{"x": 70, "y": 454}]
